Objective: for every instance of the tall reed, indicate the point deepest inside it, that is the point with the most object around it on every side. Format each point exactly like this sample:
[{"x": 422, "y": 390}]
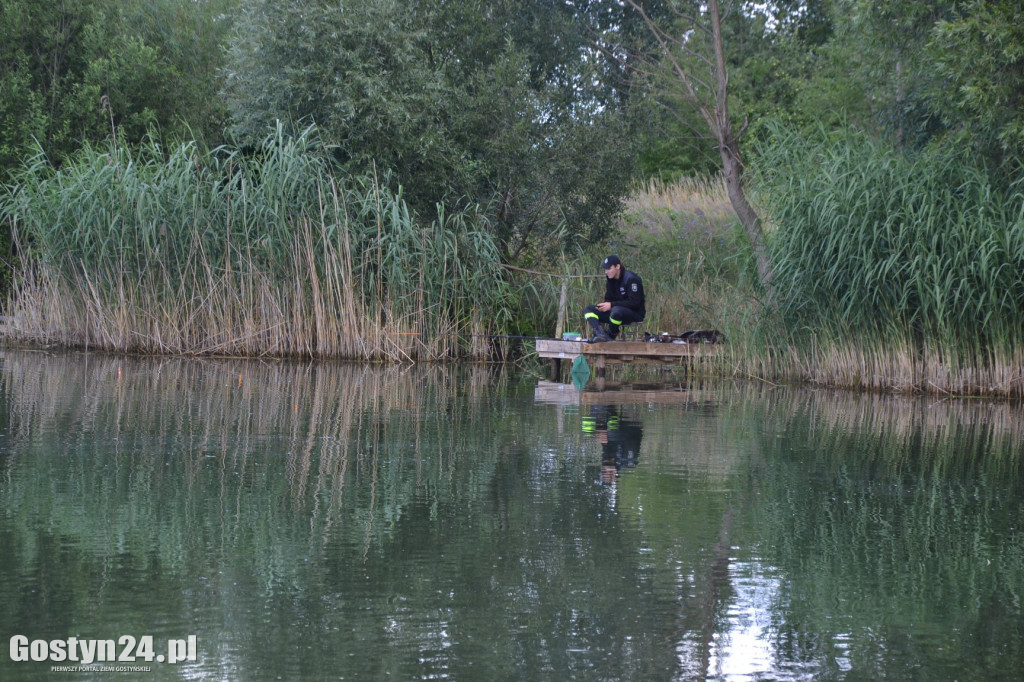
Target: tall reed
[
  {"x": 197, "y": 251},
  {"x": 893, "y": 269}
]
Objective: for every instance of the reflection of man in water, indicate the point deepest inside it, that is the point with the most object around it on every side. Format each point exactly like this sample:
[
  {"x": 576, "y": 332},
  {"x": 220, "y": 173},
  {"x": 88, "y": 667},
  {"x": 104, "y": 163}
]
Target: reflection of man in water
[{"x": 619, "y": 438}]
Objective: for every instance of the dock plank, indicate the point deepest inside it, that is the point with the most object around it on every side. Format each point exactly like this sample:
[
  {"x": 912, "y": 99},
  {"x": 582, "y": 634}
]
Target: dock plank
[{"x": 624, "y": 351}]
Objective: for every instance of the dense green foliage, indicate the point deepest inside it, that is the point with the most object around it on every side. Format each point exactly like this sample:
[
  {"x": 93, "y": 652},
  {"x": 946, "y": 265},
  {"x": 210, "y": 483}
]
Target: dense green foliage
[
  {"x": 978, "y": 57},
  {"x": 496, "y": 103},
  {"x": 533, "y": 108},
  {"x": 877, "y": 242},
  {"x": 918, "y": 74},
  {"x": 519, "y": 125},
  {"x": 500, "y": 100},
  {"x": 74, "y": 72}
]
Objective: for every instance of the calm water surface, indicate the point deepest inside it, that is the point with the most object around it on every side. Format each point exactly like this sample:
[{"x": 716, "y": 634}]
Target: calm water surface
[{"x": 325, "y": 521}]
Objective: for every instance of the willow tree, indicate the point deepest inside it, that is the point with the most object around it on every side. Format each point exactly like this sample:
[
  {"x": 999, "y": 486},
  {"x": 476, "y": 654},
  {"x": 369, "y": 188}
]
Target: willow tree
[
  {"x": 689, "y": 42},
  {"x": 499, "y": 104}
]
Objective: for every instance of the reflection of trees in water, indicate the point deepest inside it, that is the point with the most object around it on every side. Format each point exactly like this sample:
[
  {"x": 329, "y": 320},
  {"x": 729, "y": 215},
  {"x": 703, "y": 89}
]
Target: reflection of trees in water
[
  {"x": 949, "y": 431},
  {"x": 895, "y": 519},
  {"x": 226, "y": 480},
  {"x": 872, "y": 511},
  {"x": 893, "y": 525},
  {"x": 263, "y": 441},
  {"x": 702, "y": 585},
  {"x": 285, "y": 480}
]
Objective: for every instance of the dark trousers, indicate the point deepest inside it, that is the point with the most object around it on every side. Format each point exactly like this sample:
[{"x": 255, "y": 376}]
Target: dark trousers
[{"x": 616, "y": 317}]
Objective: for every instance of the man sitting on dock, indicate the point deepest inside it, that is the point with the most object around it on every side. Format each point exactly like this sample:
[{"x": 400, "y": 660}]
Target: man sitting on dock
[{"x": 623, "y": 302}]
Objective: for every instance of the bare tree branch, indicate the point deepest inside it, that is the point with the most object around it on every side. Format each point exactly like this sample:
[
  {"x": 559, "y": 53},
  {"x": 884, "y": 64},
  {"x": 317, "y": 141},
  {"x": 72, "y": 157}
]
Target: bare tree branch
[{"x": 715, "y": 112}]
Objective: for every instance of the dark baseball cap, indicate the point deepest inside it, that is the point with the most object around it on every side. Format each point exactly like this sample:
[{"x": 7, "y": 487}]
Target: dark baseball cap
[{"x": 610, "y": 261}]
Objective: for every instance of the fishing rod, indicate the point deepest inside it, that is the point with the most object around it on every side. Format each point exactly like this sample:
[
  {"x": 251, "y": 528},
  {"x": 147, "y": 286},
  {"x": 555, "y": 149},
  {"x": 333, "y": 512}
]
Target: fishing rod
[{"x": 515, "y": 337}]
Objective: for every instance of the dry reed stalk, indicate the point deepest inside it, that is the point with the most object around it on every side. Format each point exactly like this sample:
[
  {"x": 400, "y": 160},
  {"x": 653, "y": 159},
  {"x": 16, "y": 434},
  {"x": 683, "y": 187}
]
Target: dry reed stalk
[
  {"x": 894, "y": 368},
  {"x": 192, "y": 251},
  {"x": 241, "y": 312}
]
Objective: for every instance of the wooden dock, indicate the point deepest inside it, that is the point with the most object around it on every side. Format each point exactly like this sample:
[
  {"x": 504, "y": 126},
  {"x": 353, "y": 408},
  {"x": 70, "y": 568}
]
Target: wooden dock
[{"x": 599, "y": 354}]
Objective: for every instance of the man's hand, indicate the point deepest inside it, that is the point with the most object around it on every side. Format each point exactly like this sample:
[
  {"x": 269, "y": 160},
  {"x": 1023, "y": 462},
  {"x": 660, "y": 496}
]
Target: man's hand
[{"x": 604, "y": 306}]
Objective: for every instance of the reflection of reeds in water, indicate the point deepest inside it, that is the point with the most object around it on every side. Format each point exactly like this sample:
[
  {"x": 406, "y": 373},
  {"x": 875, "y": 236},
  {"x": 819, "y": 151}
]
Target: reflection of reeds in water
[
  {"x": 260, "y": 441},
  {"x": 897, "y": 433},
  {"x": 894, "y": 432},
  {"x": 895, "y": 505}
]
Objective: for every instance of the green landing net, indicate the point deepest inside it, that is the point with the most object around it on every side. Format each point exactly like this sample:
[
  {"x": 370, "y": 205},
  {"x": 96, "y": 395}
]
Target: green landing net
[{"x": 580, "y": 372}]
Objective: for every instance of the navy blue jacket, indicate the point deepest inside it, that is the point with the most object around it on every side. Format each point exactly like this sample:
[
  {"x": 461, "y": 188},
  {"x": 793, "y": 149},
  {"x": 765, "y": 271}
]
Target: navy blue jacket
[{"x": 628, "y": 291}]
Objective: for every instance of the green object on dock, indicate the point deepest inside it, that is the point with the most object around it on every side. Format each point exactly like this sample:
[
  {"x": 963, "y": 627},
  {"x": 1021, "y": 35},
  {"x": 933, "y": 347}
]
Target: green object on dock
[{"x": 580, "y": 372}]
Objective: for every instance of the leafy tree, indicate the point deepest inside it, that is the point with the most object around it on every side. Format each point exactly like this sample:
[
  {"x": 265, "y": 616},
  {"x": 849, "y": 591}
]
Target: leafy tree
[
  {"x": 492, "y": 103},
  {"x": 896, "y": 72},
  {"x": 78, "y": 71},
  {"x": 772, "y": 56},
  {"x": 920, "y": 74},
  {"x": 163, "y": 66},
  {"x": 775, "y": 62},
  {"x": 41, "y": 55},
  {"x": 977, "y": 55}
]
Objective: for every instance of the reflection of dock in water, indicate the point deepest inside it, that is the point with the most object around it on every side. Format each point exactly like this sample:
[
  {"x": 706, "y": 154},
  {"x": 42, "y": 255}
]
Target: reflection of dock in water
[{"x": 555, "y": 393}]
